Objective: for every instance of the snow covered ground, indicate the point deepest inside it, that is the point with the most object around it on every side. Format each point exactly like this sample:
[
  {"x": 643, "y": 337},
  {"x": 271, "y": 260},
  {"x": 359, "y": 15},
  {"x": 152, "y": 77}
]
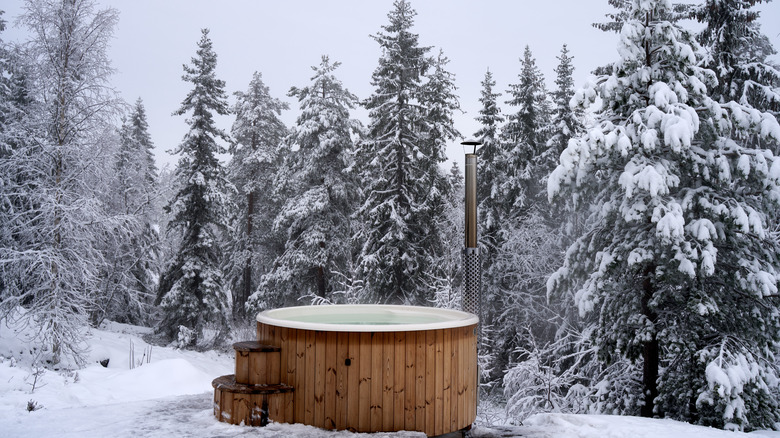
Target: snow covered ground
[{"x": 171, "y": 395}]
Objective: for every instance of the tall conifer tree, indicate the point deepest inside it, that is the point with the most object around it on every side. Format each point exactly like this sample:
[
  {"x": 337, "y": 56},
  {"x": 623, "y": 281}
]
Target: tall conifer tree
[
  {"x": 737, "y": 52},
  {"x": 676, "y": 262},
  {"x": 257, "y": 152},
  {"x": 525, "y": 133},
  {"x": 393, "y": 160},
  {"x": 192, "y": 291},
  {"x": 319, "y": 190},
  {"x": 133, "y": 270}
]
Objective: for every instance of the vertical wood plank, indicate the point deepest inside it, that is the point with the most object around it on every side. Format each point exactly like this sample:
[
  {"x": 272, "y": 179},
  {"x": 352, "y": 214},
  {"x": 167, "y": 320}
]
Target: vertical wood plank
[
  {"x": 217, "y": 403},
  {"x": 259, "y": 368},
  {"x": 242, "y": 367},
  {"x": 291, "y": 349},
  {"x": 410, "y": 372},
  {"x": 283, "y": 355},
  {"x": 447, "y": 383},
  {"x": 399, "y": 378},
  {"x": 420, "y": 367},
  {"x": 289, "y": 407},
  {"x": 274, "y": 365},
  {"x": 376, "y": 381},
  {"x": 364, "y": 387},
  {"x": 474, "y": 376},
  {"x": 241, "y": 408},
  {"x": 342, "y": 354},
  {"x": 300, "y": 377},
  {"x": 430, "y": 381},
  {"x": 439, "y": 383},
  {"x": 387, "y": 380},
  {"x": 456, "y": 372},
  {"x": 353, "y": 381},
  {"x": 463, "y": 376},
  {"x": 319, "y": 366},
  {"x": 273, "y": 337},
  {"x": 308, "y": 399},
  {"x": 331, "y": 354},
  {"x": 227, "y": 407}
]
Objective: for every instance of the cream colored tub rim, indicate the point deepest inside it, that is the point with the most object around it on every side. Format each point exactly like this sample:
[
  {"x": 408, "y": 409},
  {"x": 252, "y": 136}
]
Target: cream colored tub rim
[{"x": 366, "y": 318}]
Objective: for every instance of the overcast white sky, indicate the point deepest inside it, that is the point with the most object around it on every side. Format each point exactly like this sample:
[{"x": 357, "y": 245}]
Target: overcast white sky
[{"x": 283, "y": 39}]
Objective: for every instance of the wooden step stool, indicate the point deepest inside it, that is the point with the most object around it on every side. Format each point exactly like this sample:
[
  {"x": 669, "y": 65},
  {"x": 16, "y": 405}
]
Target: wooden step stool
[{"x": 253, "y": 395}]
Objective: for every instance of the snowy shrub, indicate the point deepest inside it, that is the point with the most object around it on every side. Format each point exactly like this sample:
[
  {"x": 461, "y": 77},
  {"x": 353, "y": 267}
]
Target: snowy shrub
[{"x": 186, "y": 338}]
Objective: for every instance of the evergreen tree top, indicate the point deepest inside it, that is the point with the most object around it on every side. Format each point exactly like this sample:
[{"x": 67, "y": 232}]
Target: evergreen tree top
[
  {"x": 208, "y": 91},
  {"x": 403, "y": 61}
]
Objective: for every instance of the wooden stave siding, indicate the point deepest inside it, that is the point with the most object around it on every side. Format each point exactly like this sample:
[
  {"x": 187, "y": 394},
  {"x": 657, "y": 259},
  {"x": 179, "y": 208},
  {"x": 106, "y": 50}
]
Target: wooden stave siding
[{"x": 331, "y": 395}]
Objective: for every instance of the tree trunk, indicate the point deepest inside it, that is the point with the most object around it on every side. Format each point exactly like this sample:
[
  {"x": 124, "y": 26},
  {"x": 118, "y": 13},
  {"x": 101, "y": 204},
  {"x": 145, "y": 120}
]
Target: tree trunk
[
  {"x": 319, "y": 277},
  {"x": 245, "y": 290},
  {"x": 650, "y": 352}
]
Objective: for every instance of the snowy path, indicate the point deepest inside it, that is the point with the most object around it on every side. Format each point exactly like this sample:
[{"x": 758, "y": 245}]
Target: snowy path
[
  {"x": 182, "y": 416},
  {"x": 185, "y": 416}
]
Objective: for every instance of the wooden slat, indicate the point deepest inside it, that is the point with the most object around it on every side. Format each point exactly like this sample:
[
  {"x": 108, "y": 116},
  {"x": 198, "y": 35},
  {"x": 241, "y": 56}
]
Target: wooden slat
[
  {"x": 388, "y": 377},
  {"x": 419, "y": 380},
  {"x": 227, "y": 406},
  {"x": 217, "y": 404},
  {"x": 300, "y": 377},
  {"x": 352, "y": 391},
  {"x": 319, "y": 366},
  {"x": 308, "y": 399},
  {"x": 439, "y": 384},
  {"x": 330, "y": 364},
  {"x": 474, "y": 376},
  {"x": 274, "y": 361},
  {"x": 463, "y": 401},
  {"x": 342, "y": 345},
  {"x": 430, "y": 381},
  {"x": 283, "y": 354},
  {"x": 259, "y": 369},
  {"x": 399, "y": 379},
  {"x": 447, "y": 380},
  {"x": 291, "y": 350},
  {"x": 242, "y": 408},
  {"x": 456, "y": 372},
  {"x": 289, "y": 405},
  {"x": 242, "y": 367},
  {"x": 376, "y": 381},
  {"x": 365, "y": 383},
  {"x": 410, "y": 391}
]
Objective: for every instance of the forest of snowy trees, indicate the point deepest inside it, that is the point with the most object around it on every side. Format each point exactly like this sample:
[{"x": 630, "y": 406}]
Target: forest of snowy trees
[{"x": 630, "y": 228}]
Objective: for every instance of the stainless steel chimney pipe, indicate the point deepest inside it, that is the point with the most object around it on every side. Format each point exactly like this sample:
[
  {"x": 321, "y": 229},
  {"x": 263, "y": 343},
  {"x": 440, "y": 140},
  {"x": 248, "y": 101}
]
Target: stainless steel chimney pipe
[{"x": 472, "y": 275}]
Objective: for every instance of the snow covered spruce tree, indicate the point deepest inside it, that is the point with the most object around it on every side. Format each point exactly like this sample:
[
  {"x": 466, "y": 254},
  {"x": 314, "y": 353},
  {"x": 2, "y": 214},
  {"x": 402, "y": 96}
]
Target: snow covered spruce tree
[
  {"x": 490, "y": 173},
  {"x": 443, "y": 245},
  {"x": 192, "y": 290},
  {"x": 566, "y": 121},
  {"x": 676, "y": 262},
  {"x": 737, "y": 52},
  {"x": 398, "y": 163},
  {"x": 257, "y": 151},
  {"x": 319, "y": 192},
  {"x": 525, "y": 245},
  {"x": 53, "y": 220},
  {"x": 132, "y": 262},
  {"x": 525, "y": 132}
]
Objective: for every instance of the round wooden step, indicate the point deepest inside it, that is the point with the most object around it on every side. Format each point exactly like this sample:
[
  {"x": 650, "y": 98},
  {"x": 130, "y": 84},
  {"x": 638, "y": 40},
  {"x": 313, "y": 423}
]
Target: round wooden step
[
  {"x": 251, "y": 405},
  {"x": 254, "y": 346},
  {"x": 228, "y": 383}
]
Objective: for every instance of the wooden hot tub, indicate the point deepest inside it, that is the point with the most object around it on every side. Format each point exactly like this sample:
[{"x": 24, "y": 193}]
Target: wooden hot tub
[{"x": 371, "y": 368}]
